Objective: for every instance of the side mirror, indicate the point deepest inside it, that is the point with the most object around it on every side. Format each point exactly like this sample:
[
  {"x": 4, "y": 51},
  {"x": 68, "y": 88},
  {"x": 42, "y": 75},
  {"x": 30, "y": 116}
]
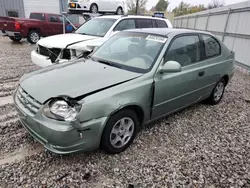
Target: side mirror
[{"x": 170, "y": 67}]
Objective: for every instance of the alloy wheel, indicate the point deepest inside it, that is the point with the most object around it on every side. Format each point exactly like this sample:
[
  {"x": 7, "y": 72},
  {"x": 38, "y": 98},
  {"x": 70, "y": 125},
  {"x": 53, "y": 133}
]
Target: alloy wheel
[
  {"x": 94, "y": 9},
  {"x": 218, "y": 92},
  {"x": 122, "y": 132},
  {"x": 34, "y": 37}
]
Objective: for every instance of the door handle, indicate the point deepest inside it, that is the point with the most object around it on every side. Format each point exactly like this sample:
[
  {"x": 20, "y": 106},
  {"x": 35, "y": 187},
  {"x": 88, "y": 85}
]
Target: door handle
[{"x": 201, "y": 73}]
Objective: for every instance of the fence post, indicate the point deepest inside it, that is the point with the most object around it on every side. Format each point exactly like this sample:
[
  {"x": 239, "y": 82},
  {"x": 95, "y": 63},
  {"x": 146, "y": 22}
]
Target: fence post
[
  {"x": 181, "y": 21},
  {"x": 225, "y": 28},
  {"x": 63, "y": 24},
  {"x": 207, "y": 21},
  {"x": 195, "y": 21},
  {"x": 187, "y": 22}
]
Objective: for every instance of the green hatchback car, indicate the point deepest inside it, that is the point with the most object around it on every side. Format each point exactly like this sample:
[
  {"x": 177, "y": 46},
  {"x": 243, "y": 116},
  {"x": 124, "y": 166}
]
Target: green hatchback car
[{"x": 134, "y": 78}]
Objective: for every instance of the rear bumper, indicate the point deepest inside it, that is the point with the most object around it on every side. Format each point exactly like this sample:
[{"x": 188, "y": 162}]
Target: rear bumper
[
  {"x": 13, "y": 34},
  {"x": 2, "y": 33},
  {"x": 231, "y": 74},
  {"x": 40, "y": 60}
]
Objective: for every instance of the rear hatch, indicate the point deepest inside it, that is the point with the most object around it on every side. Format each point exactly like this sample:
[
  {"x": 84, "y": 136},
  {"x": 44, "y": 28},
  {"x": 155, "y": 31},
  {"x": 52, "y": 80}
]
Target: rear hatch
[{"x": 6, "y": 24}]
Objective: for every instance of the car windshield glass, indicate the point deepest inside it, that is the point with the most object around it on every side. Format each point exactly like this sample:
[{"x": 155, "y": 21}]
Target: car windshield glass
[
  {"x": 131, "y": 51},
  {"x": 96, "y": 27}
]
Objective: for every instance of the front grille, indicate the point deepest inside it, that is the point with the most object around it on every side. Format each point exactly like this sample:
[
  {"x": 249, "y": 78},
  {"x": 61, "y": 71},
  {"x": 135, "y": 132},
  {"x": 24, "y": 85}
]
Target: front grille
[
  {"x": 27, "y": 102},
  {"x": 66, "y": 54},
  {"x": 48, "y": 51}
]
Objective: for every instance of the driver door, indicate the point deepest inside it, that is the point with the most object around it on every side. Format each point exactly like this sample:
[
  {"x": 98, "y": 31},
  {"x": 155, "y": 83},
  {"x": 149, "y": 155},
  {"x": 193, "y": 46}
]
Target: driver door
[{"x": 174, "y": 91}]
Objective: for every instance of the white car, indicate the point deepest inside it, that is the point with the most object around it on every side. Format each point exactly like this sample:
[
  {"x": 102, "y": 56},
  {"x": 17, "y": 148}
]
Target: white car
[
  {"x": 96, "y": 6},
  {"x": 92, "y": 34}
]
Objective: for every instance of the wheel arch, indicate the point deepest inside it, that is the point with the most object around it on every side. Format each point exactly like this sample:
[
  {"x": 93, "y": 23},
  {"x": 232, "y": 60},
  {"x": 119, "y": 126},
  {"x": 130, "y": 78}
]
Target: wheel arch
[
  {"x": 35, "y": 29},
  {"x": 133, "y": 106},
  {"x": 226, "y": 78}
]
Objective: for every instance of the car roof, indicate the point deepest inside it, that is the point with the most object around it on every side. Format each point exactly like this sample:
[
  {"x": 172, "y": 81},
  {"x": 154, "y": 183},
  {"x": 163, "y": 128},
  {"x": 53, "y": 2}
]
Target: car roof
[{"x": 165, "y": 31}]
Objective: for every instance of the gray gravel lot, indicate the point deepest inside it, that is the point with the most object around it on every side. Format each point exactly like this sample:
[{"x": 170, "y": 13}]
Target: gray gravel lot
[{"x": 202, "y": 146}]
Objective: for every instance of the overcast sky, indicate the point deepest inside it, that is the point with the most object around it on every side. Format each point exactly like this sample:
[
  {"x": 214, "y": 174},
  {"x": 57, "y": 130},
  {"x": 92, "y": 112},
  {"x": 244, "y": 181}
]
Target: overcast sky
[{"x": 174, "y": 3}]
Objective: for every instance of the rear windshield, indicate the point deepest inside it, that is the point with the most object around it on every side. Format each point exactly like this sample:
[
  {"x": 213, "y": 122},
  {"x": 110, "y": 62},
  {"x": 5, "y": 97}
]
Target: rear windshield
[
  {"x": 96, "y": 27},
  {"x": 37, "y": 16}
]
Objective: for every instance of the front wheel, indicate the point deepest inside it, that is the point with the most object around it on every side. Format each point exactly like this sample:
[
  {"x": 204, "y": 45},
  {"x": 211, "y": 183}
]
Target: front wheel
[
  {"x": 119, "y": 11},
  {"x": 15, "y": 38},
  {"x": 33, "y": 37},
  {"x": 217, "y": 93},
  {"x": 94, "y": 9},
  {"x": 119, "y": 131}
]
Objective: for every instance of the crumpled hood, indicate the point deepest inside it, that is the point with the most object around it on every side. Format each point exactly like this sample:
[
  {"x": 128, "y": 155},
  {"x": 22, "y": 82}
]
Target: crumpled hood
[
  {"x": 73, "y": 79},
  {"x": 88, "y": 45},
  {"x": 61, "y": 41}
]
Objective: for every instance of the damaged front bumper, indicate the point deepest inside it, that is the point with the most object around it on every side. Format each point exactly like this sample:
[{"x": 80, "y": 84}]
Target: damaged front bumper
[
  {"x": 62, "y": 137},
  {"x": 40, "y": 60}
]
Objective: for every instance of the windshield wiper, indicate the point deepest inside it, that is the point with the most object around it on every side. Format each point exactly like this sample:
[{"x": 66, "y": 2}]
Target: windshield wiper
[{"x": 105, "y": 62}]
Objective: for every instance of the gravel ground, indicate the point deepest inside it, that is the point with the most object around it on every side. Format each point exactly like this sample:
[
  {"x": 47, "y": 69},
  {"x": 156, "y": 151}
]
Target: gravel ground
[{"x": 202, "y": 146}]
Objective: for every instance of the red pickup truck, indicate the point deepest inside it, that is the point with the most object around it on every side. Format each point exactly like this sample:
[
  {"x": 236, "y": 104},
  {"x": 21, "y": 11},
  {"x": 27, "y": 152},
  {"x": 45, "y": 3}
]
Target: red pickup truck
[{"x": 38, "y": 25}]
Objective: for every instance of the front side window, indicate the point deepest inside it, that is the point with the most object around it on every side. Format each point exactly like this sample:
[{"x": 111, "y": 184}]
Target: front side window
[
  {"x": 96, "y": 27},
  {"x": 125, "y": 24},
  {"x": 185, "y": 50},
  {"x": 144, "y": 23},
  {"x": 131, "y": 51},
  {"x": 212, "y": 46}
]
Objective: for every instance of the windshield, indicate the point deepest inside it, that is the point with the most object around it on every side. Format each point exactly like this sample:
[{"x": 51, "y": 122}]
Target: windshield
[
  {"x": 96, "y": 27},
  {"x": 131, "y": 51}
]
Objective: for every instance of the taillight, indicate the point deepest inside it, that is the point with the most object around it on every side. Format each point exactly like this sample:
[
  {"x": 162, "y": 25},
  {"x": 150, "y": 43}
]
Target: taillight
[{"x": 17, "y": 25}]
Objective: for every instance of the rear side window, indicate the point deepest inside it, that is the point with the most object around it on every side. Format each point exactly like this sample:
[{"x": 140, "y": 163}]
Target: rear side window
[
  {"x": 185, "y": 50},
  {"x": 144, "y": 23},
  {"x": 161, "y": 24},
  {"x": 37, "y": 16},
  {"x": 125, "y": 24},
  {"x": 212, "y": 46}
]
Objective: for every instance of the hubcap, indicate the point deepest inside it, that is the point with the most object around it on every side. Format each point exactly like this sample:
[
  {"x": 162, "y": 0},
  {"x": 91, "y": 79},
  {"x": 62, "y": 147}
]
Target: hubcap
[
  {"x": 119, "y": 12},
  {"x": 34, "y": 37},
  {"x": 122, "y": 132},
  {"x": 218, "y": 91},
  {"x": 94, "y": 9}
]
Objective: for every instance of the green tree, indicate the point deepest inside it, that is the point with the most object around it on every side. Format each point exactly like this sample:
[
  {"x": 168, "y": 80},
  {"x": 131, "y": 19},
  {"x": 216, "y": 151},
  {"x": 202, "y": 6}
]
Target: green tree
[
  {"x": 162, "y": 5},
  {"x": 131, "y": 5},
  {"x": 215, "y": 4},
  {"x": 184, "y": 8}
]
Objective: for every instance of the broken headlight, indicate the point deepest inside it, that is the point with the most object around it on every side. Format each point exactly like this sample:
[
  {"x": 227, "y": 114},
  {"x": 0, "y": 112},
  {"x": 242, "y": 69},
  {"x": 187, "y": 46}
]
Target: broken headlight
[{"x": 61, "y": 109}]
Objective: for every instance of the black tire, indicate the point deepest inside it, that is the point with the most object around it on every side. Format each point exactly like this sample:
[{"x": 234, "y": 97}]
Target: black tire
[
  {"x": 31, "y": 35},
  {"x": 106, "y": 135},
  {"x": 92, "y": 7},
  {"x": 15, "y": 38},
  {"x": 119, "y": 9},
  {"x": 213, "y": 100}
]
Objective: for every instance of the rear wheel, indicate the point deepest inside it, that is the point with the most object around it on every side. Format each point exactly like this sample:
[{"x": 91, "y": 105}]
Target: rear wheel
[
  {"x": 119, "y": 131},
  {"x": 15, "y": 38},
  {"x": 33, "y": 37},
  {"x": 119, "y": 11},
  {"x": 94, "y": 9},
  {"x": 217, "y": 93}
]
